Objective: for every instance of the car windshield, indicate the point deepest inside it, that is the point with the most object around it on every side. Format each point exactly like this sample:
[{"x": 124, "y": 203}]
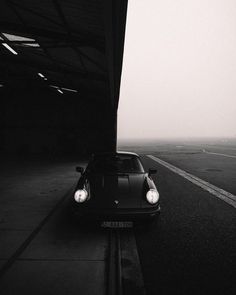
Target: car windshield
[{"x": 116, "y": 164}]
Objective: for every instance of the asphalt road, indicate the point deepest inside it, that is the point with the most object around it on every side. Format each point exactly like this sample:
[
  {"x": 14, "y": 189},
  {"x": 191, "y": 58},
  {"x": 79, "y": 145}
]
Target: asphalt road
[{"x": 191, "y": 249}]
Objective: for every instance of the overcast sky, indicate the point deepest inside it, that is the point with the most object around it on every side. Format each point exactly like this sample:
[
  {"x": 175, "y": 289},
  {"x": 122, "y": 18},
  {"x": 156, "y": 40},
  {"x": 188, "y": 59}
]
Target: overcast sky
[{"x": 179, "y": 69}]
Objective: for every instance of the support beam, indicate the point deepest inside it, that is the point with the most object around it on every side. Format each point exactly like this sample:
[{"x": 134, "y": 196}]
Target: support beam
[
  {"x": 69, "y": 33},
  {"x": 37, "y": 66},
  {"x": 80, "y": 39},
  {"x": 114, "y": 24}
]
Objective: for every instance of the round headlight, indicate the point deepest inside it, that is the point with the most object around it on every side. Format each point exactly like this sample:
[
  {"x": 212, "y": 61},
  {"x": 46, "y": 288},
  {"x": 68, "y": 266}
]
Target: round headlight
[
  {"x": 152, "y": 196},
  {"x": 81, "y": 195}
]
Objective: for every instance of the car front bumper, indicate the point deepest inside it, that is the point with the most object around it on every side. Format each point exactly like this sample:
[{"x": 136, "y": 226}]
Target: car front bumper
[{"x": 117, "y": 214}]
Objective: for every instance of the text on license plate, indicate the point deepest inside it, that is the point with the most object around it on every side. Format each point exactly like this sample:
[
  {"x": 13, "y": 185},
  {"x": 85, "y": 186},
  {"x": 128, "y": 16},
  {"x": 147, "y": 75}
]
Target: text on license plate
[{"x": 117, "y": 224}]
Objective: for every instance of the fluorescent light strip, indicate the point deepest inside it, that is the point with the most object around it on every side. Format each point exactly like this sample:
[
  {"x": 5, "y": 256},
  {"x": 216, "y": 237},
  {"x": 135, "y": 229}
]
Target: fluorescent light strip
[
  {"x": 59, "y": 90},
  {"x": 1, "y": 85},
  {"x": 9, "y": 48},
  {"x": 68, "y": 89},
  {"x": 41, "y": 75},
  {"x": 63, "y": 88},
  {"x": 12, "y": 37},
  {"x": 34, "y": 45}
]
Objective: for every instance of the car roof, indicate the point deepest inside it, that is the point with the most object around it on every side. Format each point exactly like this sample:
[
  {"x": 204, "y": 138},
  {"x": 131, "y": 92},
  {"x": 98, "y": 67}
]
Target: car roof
[
  {"x": 117, "y": 153},
  {"x": 127, "y": 153}
]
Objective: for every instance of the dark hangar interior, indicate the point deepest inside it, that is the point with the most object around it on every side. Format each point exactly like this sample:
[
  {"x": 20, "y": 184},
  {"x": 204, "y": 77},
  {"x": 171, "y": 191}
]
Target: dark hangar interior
[{"x": 60, "y": 71}]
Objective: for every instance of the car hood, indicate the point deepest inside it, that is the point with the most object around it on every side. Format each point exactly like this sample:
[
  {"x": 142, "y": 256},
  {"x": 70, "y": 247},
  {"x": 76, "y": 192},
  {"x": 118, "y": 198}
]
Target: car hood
[{"x": 118, "y": 191}]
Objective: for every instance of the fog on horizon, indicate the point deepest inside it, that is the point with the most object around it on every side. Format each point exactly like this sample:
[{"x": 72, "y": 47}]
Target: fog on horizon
[{"x": 179, "y": 70}]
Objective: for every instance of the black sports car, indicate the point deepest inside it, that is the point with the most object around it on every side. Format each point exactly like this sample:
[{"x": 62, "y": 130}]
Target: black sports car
[{"x": 114, "y": 186}]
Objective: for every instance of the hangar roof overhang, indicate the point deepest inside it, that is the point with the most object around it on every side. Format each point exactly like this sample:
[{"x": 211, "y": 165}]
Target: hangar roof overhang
[{"x": 73, "y": 45}]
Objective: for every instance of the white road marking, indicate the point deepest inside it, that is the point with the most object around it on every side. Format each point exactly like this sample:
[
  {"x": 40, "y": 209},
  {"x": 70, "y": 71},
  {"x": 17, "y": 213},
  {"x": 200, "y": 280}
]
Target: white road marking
[
  {"x": 219, "y": 154},
  {"x": 214, "y": 190}
]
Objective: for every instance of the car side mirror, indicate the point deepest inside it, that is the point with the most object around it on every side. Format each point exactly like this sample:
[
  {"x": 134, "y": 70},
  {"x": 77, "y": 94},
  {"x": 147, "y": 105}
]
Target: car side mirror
[
  {"x": 152, "y": 171},
  {"x": 79, "y": 169}
]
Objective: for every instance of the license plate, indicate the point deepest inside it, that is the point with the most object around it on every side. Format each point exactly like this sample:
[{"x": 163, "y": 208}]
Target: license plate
[{"x": 117, "y": 224}]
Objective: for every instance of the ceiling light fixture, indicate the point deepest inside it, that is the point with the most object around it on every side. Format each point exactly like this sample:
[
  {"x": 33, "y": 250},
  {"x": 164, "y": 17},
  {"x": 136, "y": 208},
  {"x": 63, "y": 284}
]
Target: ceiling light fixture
[
  {"x": 12, "y": 37},
  {"x": 60, "y": 91},
  {"x": 41, "y": 75},
  {"x": 63, "y": 88},
  {"x": 68, "y": 89},
  {"x": 9, "y": 48}
]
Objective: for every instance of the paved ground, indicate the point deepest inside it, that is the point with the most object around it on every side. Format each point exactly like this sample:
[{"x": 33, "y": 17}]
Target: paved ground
[
  {"x": 41, "y": 249},
  {"x": 189, "y": 250},
  {"x": 192, "y": 247}
]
